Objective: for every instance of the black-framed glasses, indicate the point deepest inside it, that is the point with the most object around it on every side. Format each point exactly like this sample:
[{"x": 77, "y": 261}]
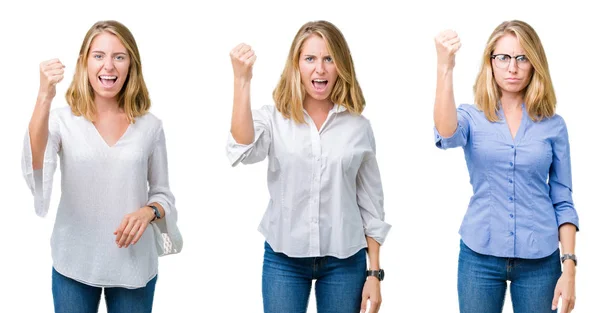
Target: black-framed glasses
[{"x": 503, "y": 60}]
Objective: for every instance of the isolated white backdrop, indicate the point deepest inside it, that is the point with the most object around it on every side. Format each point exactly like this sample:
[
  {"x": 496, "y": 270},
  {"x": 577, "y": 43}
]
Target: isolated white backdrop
[{"x": 184, "y": 50}]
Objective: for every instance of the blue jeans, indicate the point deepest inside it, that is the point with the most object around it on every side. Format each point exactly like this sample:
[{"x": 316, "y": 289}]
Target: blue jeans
[
  {"x": 71, "y": 296},
  {"x": 286, "y": 282},
  {"x": 482, "y": 282}
]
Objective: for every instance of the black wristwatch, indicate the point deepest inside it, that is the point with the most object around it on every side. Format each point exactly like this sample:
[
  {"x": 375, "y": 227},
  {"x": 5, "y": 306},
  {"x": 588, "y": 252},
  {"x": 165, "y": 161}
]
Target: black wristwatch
[
  {"x": 378, "y": 273},
  {"x": 568, "y": 257},
  {"x": 156, "y": 212}
]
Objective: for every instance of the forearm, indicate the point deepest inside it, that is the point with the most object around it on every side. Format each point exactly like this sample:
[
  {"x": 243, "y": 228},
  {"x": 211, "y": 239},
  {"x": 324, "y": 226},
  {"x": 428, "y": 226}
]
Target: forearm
[
  {"x": 38, "y": 130},
  {"x": 567, "y": 242},
  {"x": 444, "y": 111},
  {"x": 242, "y": 127},
  {"x": 373, "y": 253}
]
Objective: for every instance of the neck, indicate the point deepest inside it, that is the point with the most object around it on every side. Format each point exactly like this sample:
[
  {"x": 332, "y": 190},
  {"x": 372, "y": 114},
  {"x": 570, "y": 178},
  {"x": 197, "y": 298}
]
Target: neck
[
  {"x": 312, "y": 105},
  {"x": 511, "y": 101},
  {"x": 107, "y": 106}
]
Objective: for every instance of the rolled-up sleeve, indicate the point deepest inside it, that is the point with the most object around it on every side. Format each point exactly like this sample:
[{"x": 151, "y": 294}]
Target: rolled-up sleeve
[
  {"x": 40, "y": 181},
  {"x": 560, "y": 179},
  {"x": 257, "y": 150},
  {"x": 460, "y": 136},
  {"x": 369, "y": 195}
]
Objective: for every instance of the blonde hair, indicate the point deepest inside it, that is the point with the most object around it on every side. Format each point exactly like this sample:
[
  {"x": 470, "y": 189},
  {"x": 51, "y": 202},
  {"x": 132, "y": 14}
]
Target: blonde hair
[
  {"x": 289, "y": 93},
  {"x": 133, "y": 97},
  {"x": 539, "y": 97}
]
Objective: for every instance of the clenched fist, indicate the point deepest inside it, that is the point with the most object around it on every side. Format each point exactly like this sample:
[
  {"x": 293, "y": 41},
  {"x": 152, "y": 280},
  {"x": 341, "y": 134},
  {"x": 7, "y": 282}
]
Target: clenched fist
[
  {"x": 51, "y": 73},
  {"x": 242, "y": 59},
  {"x": 446, "y": 44}
]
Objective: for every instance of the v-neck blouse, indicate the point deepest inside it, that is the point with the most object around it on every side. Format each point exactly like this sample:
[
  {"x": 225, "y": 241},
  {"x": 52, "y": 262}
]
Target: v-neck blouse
[
  {"x": 522, "y": 189},
  {"x": 100, "y": 184}
]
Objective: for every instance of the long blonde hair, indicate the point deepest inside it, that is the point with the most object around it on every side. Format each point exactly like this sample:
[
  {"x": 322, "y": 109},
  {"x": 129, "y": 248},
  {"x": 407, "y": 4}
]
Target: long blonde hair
[
  {"x": 540, "y": 100},
  {"x": 289, "y": 93},
  {"x": 133, "y": 97}
]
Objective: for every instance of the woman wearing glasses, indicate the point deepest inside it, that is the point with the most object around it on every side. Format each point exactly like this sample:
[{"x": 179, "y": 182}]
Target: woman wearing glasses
[{"x": 517, "y": 154}]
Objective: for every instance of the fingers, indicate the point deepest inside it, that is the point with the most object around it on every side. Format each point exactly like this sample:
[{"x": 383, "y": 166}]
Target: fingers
[
  {"x": 363, "y": 304},
  {"x": 242, "y": 59},
  {"x": 131, "y": 229},
  {"x": 139, "y": 233},
  {"x": 568, "y": 303},
  {"x": 555, "y": 299},
  {"x": 119, "y": 231},
  {"x": 51, "y": 73},
  {"x": 50, "y": 62},
  {"x": 126, "y": 233},
  {"x": 132, "y": 233},
  {"x": 240, "y": 50}
]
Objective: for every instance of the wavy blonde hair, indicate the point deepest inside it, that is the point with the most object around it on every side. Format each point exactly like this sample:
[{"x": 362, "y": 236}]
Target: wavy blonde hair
[
  {"x": 540, "y": 100},
  {"x": 133, "y": 97},
  {"x": 289, "y": 93}
]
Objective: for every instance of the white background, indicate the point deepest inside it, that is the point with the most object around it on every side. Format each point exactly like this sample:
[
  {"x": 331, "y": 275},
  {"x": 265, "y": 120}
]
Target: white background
[{"x": 185, "y": 49}]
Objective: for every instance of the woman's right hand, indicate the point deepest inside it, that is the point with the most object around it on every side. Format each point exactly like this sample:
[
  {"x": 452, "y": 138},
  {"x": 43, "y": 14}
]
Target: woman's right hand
[
  {"x": 242, "y": 60},
  {"x": 446, "y": 44},
  {"x": 51, "y": 73}
]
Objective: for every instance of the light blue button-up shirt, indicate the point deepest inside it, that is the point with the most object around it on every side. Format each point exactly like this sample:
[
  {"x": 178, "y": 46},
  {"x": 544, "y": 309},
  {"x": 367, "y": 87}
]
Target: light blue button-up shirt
[{"x": 521, "y": 188}]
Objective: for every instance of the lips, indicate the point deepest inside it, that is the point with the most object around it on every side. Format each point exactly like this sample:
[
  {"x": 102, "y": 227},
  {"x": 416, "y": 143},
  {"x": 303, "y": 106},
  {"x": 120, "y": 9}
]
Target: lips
[
  {"x": 107, "y": 81},
  {"x": 319, "y": 84}
]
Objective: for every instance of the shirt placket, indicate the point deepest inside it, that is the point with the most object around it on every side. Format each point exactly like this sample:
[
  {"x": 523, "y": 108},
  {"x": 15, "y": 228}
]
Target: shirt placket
[
  {"x": 511, "y": 197},
  {"x": 317, "y": 159}
]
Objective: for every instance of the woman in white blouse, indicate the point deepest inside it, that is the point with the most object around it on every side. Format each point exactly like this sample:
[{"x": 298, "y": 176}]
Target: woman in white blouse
[
  {"x": 114, "y": 179},
  {"x": 326, "y": 202}
]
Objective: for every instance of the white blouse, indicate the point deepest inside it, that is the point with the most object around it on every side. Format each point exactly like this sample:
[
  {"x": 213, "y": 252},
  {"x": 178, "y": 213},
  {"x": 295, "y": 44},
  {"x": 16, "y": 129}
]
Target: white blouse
[
  {"x": 325, "y": 186},
  {"x": 100, "y": 184}
]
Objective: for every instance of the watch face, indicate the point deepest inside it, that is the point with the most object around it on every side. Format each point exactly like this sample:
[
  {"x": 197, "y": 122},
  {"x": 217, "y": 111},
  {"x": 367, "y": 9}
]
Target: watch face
[{"x": 381, "y": 274}]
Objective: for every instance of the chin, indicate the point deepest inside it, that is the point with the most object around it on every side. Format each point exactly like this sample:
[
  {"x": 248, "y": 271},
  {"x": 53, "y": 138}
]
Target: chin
[
  {"x": 106, "y": 95},
  {"x": 320, "y": 97}
]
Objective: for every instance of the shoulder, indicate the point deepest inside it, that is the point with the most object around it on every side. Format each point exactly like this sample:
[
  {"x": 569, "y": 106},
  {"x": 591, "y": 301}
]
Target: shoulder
[
  {"x": 555, "y": 123},
  {"x": 149, "y": 120},
  {"x": 470, "y": 109},
  {"x": 62, "y": 113},
  {"x": 267, "y": 111}
]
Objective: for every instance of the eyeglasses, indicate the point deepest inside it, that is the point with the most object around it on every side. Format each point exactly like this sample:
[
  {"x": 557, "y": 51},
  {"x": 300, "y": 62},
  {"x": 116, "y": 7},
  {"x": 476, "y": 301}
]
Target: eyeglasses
[{"x": 503, "y": 60}]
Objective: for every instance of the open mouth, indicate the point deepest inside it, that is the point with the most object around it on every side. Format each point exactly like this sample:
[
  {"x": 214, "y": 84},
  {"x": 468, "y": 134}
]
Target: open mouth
[
  {"x": 107, "y": 80},
  {"x": 319, "y": 84}
]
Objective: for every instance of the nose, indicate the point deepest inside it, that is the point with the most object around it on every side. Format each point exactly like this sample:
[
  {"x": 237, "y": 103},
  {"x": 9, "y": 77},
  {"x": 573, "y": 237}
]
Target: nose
[
  {"x": 512, "y": 65},
  {"x": 108, "y": 64},
  {"x": 320, "y": 68}
]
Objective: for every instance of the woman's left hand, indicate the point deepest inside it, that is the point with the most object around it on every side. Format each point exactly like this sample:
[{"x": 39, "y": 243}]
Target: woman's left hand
[
  {"x": 133, "y": 226},
  {"x": 565, "y": 289},
  {"x": 371, "y": 292}
]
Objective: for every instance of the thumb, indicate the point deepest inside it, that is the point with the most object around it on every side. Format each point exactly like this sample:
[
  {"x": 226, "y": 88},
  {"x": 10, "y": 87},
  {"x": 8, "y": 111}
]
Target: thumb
[
  {"x": 555, "y": 299},
  {"x": 363, "y": 304}
]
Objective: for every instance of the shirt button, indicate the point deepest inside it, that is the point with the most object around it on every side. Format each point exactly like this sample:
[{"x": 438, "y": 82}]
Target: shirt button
[
  {"x": 510, "y": 180},
  {"x": 318, "y": 159},
  {"x": 512, "y": 147},
  {"x": 510, "y": 198},
  {"x": 511, "y": 163},
  {"x": 511, "y": 216},
  {"x": 511, "y": 233}
]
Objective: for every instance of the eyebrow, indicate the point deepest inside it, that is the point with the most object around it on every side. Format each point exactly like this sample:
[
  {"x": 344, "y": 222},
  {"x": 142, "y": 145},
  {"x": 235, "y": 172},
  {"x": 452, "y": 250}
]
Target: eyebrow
[
  {"x": 516, "y": 55},
  {"x": 312, "y": 55},
  {"x": 102, "y": 52}
]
